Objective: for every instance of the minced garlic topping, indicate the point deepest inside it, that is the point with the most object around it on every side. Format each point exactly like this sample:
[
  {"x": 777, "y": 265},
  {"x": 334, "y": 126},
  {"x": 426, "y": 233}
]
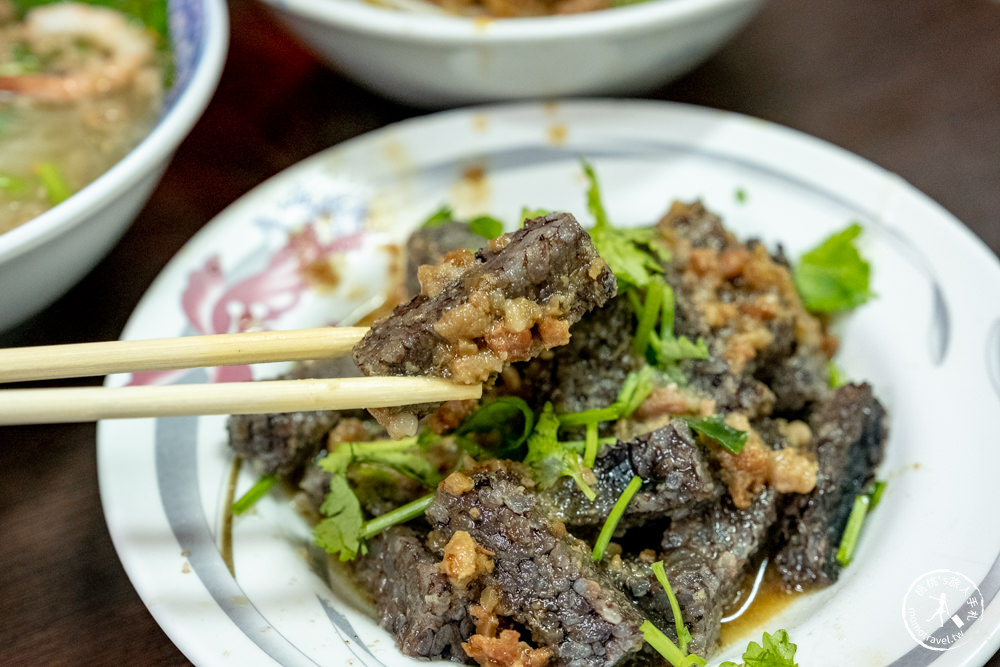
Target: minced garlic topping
[
  {"x": 505, "y": 649},
  {"x": 489, "y": 331},
  {"x": 464, "y": 560},
  {"x": 789, "y": 470}
]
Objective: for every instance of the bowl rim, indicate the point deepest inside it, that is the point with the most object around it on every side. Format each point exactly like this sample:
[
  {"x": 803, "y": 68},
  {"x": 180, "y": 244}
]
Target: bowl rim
[
  {"x": 148, "y": 155},
  {"x": 365, "y": 17}
]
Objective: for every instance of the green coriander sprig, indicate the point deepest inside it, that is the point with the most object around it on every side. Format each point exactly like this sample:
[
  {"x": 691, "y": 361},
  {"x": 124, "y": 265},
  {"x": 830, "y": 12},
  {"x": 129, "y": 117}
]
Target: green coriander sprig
[{"x": 608, "y": 529}]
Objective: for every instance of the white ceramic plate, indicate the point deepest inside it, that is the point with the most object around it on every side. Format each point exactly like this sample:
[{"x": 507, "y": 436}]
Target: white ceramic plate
[{"x": 930, "y": 344}]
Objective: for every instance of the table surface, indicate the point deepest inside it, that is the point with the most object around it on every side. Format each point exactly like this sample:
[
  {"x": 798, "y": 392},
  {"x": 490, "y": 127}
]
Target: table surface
[{"x": 913, "y": 85}]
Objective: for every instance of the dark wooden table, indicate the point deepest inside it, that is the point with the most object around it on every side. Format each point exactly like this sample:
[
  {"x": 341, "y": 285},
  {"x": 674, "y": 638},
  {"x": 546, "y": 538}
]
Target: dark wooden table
[{"x": 913, "y": 85}]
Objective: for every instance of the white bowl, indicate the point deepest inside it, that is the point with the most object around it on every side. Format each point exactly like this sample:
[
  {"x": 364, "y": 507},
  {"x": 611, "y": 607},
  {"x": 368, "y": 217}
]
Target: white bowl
[
  {"x": 433, "y": 59},
  {"x": 45, "y": 256}
]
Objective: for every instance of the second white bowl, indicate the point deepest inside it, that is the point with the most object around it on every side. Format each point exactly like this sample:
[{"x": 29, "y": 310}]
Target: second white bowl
[{"x": 433, "y": 59}]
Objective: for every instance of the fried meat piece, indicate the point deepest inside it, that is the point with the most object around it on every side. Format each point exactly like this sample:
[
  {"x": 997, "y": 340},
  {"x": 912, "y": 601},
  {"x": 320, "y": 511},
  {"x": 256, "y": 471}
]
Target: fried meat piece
[
  {"x": 545, "y": 579},
  {"x": 674, "y": 469},
  {"x": 429, "y": 245},
  {"x": 414, "y": 600},
  {"x": 477, "y": 313},
  {"x": 850, "y": 433},
  {"x": 767, "y": 353},
  {"x": 706, "y": 553}
]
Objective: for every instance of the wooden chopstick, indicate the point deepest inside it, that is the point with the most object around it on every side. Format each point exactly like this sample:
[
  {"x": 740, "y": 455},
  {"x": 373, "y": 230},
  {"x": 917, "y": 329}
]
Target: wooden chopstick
[
  {"x": 48, "y": 362},
  {"x": 78, "y": 404}
]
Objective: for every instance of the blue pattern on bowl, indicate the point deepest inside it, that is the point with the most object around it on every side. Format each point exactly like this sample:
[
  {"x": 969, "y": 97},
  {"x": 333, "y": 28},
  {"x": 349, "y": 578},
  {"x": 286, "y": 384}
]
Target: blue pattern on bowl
[{"x": 187, "y": 39}]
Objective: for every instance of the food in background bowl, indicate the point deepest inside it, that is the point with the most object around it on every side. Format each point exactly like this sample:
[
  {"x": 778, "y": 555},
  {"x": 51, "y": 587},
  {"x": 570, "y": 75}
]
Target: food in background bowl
[
  {"x": 80, "y": 86},
  {"x": 516, "y": 8},
  {"x": 41, "y": 258}
]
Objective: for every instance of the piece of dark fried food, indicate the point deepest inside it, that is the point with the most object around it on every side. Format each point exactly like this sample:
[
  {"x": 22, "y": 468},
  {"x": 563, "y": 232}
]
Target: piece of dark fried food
[
  {"x": 768, "y": 354},
  {"x": 706, "y": 553},
  {"x": 476, "y": 313},
  {"x": 531, "y": 573},
  {"x": 850, "y": 433},
  {"x": 675, "y": 471},
  {"x": 429, "y": 245},
  {"x": 414, "y": 600}
]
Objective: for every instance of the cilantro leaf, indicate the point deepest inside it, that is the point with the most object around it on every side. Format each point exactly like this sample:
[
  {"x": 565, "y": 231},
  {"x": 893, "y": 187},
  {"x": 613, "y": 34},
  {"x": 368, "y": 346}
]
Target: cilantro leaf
[
  {"x": 486, "y": 226},
  {"x": 716, "y": 429},
  {"x": 649, "y": 237},
  {"x": 502, "y": 425},
  {"x": 439, "y": 217},
  {"x": 777, "y": 651},
  {"x": 531, "y": 214},
  {"x": 550, "y": 459},
  {"x": 833, "y": 275},
  {"x": 621, "y": 249},
  {"x": 343, "y": 530},
  {"x": 774, "y": 651},
  {"x": 835, "y": 376},
  {"x": 674, "y": 349},
  {"x": 544, "y": 457},
  {"x": 629, "y": 263},
  {"x": 406, "y": 456},
  {"x": 340, "y": 531},
  {"x": 637, "y": 386}
]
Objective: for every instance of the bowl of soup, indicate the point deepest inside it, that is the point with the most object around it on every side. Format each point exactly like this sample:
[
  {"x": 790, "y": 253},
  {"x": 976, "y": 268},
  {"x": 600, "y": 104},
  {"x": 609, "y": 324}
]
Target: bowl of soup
[
  {"x": 95, "y": 97},
  {"x": 437, "y": 53}
]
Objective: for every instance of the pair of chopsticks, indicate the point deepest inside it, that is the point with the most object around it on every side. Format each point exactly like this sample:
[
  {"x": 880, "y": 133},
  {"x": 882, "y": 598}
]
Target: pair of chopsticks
[{"x": 76, "y": 404}]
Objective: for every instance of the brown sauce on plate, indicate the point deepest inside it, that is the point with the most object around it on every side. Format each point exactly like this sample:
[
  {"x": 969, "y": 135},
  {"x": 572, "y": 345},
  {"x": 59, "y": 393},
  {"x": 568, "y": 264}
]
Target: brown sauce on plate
[{"x": 770, "y": 600}]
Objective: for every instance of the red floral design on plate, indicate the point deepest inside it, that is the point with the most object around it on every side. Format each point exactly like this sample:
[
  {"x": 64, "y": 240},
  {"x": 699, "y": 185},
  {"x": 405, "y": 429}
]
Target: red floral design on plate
[{"x": 255, "y": 302}]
